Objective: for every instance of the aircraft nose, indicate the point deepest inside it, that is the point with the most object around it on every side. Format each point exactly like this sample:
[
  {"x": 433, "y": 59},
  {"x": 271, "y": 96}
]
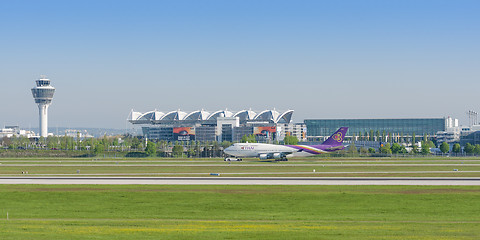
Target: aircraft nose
[{"x": 228, "y": 150}]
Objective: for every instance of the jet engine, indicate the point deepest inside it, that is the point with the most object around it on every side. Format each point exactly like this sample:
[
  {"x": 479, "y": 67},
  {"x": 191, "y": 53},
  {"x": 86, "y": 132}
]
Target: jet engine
[
  {"x": 263, "y": 156},
  {"x": 277, "y": 155}
]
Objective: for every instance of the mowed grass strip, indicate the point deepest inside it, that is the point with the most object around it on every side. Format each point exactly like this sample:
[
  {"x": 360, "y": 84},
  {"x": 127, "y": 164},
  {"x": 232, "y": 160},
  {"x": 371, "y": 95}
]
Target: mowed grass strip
[
  {"x": 225, "y": 229},
  {"x": 239, "y": 212}
]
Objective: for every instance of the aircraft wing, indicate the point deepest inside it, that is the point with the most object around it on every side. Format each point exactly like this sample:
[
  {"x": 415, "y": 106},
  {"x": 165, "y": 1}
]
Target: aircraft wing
[{"x": 334, "y": 148}]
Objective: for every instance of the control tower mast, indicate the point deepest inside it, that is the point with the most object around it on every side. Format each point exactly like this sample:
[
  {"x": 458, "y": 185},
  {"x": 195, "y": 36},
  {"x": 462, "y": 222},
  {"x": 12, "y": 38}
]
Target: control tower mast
[{"x": 43, "y": 95}]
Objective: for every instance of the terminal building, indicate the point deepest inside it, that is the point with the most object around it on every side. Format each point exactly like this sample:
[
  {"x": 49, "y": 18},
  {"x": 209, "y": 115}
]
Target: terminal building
[
  {"x": 221, "y": 125},
  {"x": 319, "y": 129},
  {"x": 270, "y": 125}
]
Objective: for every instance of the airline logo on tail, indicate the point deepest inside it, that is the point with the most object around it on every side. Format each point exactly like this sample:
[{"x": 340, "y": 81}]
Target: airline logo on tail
[{"x": 338, "y": 137}]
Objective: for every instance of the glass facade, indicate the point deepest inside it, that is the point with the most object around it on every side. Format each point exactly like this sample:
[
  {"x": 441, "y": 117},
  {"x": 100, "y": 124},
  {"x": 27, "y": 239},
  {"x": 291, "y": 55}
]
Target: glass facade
[
  {"x": 239, "y": 132},
  {"x": 165, "y": 133},
  {"x": 406, "y": 127},
  {"x": 43, "y": 93},
  {"x": 472, "y": 138},
  {"x": 205, "y": 133},
  {"x": 227, "y": 132}
]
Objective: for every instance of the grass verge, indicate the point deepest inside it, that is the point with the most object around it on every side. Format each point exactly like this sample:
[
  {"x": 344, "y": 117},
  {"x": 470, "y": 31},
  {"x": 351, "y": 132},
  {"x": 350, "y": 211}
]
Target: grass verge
[{"x": 238, "y": 212}]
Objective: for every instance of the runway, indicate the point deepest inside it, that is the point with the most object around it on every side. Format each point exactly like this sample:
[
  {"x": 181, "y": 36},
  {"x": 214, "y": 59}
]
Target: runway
[{"x": 242, "y": 181}]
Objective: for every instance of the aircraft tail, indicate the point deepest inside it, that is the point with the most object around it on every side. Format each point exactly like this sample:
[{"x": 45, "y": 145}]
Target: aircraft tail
[{"x": 337, "y": 137}]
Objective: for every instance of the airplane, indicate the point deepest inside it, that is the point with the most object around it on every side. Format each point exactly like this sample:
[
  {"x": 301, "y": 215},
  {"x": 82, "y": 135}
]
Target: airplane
[{"x": 281, "y": 152}]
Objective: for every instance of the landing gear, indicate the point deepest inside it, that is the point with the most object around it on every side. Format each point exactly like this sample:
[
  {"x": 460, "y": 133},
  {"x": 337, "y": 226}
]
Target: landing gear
[{"x": 283, "y": 159}]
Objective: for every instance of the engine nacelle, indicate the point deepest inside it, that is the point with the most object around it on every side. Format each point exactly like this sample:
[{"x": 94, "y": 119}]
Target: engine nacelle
[
  {"x": 263, "y": 156},
  {"x": 277, "y": 155}
]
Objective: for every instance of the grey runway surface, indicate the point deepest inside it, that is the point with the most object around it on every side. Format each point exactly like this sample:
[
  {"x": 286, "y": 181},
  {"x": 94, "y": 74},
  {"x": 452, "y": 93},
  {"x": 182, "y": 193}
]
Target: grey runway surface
[{"x": 242, "y": 181}]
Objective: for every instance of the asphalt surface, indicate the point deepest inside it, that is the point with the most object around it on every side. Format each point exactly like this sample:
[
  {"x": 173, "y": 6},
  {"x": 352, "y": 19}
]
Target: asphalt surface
[{"x": 218, "y": 180}]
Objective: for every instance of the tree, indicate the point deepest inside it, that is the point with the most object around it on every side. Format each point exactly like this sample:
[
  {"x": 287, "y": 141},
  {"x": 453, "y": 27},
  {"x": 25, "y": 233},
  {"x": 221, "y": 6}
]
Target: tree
[
  {"x": 363, "y": 150},
  {"x": 226, "y": 144},
  {"x": 444, "y": 147},
  {"x": 99, "y": 148},
  {"x": 290, "y": 140},
  {"x": 136, "y": 143},
  {"x": 371, "y": 150},
  {"x": 386, "y": 149},
  {"x": 216, "y": 149},
  {"x": 403, "y": 150},
  {"x": 151, "y": 148},
  {"x": 396, "y": 148},
  {"x": 425, "y": 147},
  {"x": 191, "y": 152},
  {"x": 162, "y": 145},
  {"x": 414, "y": 149},
  {"x": 469, "y": 148},
  {"x": 177, "y": 150},
  {"x": 248, "y": 138},
  {"x": 477, "y": 149},
  {"x": 456, "y": 148},
  {"x": 352, "y": 149}
]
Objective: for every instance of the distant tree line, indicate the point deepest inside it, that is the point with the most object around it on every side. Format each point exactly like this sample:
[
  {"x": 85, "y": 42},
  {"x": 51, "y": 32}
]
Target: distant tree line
[{"x": 134, "y": 146}]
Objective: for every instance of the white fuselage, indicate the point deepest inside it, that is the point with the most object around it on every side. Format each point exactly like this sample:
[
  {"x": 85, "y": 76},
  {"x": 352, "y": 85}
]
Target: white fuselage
[{"x": 257, "y": 149}]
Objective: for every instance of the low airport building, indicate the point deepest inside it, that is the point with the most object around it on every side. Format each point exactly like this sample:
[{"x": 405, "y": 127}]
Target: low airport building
[
  {"x": 221, "y": 125},
  {"x": 15, "y": 131},
  {"x": 470, "y": 135}
]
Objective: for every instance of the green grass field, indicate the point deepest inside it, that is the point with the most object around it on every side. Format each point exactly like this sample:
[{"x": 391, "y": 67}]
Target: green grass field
[{"x": 238, "y": 212}]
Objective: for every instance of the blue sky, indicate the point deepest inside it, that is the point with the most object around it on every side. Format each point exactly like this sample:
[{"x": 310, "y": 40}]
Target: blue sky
[{"x": 324, "y": 59}]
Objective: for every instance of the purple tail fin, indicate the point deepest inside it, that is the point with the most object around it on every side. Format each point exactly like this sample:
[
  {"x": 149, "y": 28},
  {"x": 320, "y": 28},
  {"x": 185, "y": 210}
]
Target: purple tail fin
[{"x": 337, "y": 137}]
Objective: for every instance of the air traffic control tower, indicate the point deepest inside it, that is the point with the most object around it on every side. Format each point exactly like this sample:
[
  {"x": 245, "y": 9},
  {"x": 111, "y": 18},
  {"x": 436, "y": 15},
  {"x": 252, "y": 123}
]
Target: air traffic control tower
[{"x": 43, "y": 95}]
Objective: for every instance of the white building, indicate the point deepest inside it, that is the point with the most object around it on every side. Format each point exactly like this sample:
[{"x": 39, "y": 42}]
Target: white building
[
  {"x": 454, "y": 132},
  {"x": 298, "y": 130},
  {"x": 10, "y": 131}
]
